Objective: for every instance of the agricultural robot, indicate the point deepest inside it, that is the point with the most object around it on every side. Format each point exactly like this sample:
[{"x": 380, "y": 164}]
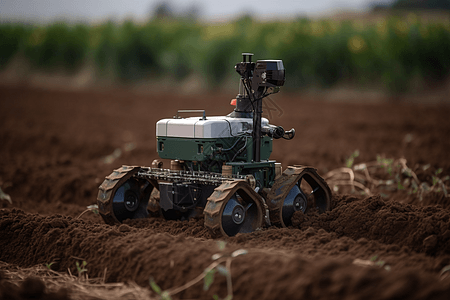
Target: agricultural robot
[{"x": 220, "y": 167}]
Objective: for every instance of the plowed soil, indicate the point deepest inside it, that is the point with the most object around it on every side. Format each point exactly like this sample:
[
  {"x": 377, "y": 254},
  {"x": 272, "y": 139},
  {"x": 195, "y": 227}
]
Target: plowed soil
[{"x": 57, "y": 146}]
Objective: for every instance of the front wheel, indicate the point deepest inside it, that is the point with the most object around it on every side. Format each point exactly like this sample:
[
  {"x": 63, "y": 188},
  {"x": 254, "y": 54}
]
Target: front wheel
[{"x": 234, "y": 207}]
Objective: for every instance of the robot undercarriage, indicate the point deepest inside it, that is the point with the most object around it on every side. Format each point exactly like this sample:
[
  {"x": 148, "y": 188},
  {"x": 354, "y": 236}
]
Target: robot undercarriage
[{"x": 230, "y": 203}]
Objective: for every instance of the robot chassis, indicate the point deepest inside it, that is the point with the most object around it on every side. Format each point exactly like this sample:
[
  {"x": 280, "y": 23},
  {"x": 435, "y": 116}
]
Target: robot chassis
[{"x": 220, "y": 167}]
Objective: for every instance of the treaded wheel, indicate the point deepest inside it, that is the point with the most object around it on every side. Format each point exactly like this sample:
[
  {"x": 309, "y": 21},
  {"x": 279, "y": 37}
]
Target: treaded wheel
[
  {"x": 122, "y": 196},
  {"x": 130, "y": 200},
  {"x": 298, "y": 189},
  {"x": 294, "y": 201},
  {"x": 239, "y": 216},
  {"x": 234, "y": 207}
]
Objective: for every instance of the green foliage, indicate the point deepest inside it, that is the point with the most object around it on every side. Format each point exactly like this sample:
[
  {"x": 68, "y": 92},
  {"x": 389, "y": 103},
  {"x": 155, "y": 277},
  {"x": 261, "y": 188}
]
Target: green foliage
[
  {"x": 155, "y": 287},
  {"x": 391, "y": 51},
  {"x": 386, "y": 163},
  {"x": 58, "y": 46},
  {"x": 81, "y": 269},
  {"x": 12, "y": 37},
  {"x": 349, "y": 162},
  {"x": 379, "y": 263},
  {"x": 207, "y": 275},
  {"x": 49, "y": 266},
  {"x": 209, "y": 279},
  {"x": 221, "y": 245},
  {"x": 421, "y": 4}
]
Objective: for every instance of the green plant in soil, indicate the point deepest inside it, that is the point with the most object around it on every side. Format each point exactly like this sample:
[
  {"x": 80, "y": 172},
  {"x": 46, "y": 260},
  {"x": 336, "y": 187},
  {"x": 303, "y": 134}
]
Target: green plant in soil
[
  {"x": 349, "y": 162},
  {"x": 81, "y": 269},
  {"x": 207, "y": 275},
  {"x": 49, "y": 266}
]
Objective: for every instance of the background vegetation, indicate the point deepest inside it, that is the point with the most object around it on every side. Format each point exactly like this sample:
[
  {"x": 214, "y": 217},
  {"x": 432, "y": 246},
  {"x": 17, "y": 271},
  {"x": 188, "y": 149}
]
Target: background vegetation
[{"x": 392, "y": 52}]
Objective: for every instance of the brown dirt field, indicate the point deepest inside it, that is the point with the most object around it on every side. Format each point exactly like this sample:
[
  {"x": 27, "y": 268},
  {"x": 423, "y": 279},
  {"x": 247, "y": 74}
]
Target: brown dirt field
[{"x": 53, "y": 146}]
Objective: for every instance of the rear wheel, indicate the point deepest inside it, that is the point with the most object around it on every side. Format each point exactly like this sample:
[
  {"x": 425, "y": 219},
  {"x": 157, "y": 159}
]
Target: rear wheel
[
  {"x": 122, "y": 196},
  {"x": 294, "y": 201},
  {"x": 298, "y": 189},
  {"x": 130, "y": 200}
]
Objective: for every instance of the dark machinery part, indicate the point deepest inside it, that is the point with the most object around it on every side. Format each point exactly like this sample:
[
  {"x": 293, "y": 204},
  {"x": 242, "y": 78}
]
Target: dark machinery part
[
  {"x": 230, "y": 178},
  {"x": 278, "y": 132},
  {"x": 178, "y": 200},
  {"x": 234, "y": 208},
  {"x": 257, "y": 78},
  {"x": 287, "y": 197},
  {"x": 122, "y": 196}
]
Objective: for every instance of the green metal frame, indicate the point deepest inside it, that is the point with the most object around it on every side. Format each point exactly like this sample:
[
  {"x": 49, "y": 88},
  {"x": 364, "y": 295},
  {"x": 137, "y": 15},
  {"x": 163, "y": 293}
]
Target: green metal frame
[
  {"x": 263, "y": 171},
  {"x": 200, "y": 150},
  {"x": 211, "y": 154}
]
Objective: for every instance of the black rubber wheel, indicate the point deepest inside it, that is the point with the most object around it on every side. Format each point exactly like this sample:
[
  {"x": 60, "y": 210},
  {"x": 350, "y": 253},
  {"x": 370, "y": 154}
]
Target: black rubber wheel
[
  {"x": 131, "y": 199},
  {"x": 307, "y": 193},
  {"x": 294, "y": 201},
  {"x": 239, "y": 216}
]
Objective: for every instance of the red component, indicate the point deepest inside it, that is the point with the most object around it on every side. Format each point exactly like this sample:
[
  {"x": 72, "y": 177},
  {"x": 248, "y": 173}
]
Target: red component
[{"x": 233, "y": 102}]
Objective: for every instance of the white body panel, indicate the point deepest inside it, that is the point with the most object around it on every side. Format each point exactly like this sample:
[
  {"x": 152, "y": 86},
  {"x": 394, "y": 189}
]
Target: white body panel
[{"x": 212, "y": 127}]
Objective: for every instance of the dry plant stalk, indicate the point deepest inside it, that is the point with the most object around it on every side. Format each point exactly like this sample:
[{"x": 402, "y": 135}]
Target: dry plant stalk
[
  {"x": 92, "y": 288},
  {"x": 216, "y": 265},
  {"x": 363, "y": 176}
]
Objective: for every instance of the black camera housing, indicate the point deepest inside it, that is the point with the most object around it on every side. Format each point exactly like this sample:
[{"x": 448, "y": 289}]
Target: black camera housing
[{"x": 269, "y": 73}]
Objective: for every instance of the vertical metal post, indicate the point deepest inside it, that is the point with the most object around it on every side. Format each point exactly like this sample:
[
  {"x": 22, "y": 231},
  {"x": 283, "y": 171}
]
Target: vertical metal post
[
  {"x": 245, "y": 68},
  {"x": 257, "y": 114}
]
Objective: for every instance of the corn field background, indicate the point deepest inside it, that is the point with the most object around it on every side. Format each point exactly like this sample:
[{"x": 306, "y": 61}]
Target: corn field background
[{"x": 393, "y": 53}]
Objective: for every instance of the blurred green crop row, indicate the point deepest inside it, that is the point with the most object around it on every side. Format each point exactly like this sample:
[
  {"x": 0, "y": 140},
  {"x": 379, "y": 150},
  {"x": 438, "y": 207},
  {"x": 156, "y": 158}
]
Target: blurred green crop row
[{"x": 392, "y": 52}]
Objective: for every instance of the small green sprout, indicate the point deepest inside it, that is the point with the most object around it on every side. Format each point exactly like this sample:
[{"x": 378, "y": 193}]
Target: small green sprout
[
  {"x": 209, "y": 279},
  {"x": 207, "y": 275},
  {"x": 49, "y": 266},
  {"x": 164, "y": 295},
  {"x": 386, "y": 163},
  {"x": 155, "y": 286},
  {"x": 349, "y": 162},
  {"x": 221, "y": 245},
  {"x": 435, "y": 180},
  {"x": 81, "y": 268}
]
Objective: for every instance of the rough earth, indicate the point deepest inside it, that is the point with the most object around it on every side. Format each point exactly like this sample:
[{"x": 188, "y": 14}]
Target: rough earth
[{"x": 57, "y": 146}]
